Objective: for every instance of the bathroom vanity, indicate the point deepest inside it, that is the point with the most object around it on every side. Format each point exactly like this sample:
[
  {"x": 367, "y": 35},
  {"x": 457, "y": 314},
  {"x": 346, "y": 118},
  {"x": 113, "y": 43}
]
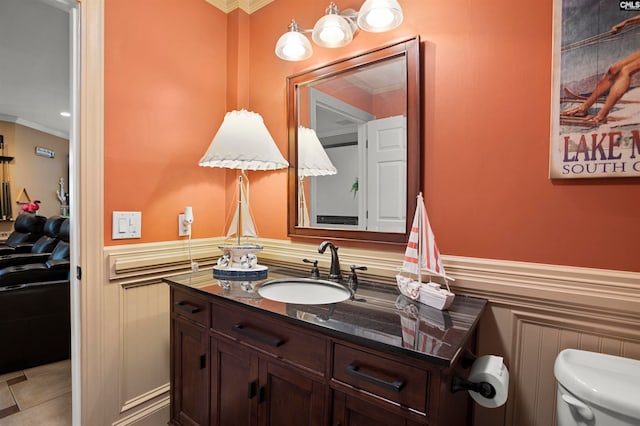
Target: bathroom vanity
[{"x": 377, "y": 359}]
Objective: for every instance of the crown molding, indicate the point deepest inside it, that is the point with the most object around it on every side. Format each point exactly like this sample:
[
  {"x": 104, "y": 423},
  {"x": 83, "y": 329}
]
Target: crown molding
[
  {"x": 248, "y": 6},
  {"x": 35, "y": 126}
]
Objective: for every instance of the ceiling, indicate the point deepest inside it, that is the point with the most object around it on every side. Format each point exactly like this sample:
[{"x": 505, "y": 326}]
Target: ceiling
[{"x": 34, "y": 64}]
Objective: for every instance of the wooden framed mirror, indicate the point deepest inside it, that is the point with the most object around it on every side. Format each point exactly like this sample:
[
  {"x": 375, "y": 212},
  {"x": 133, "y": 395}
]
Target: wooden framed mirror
[{"x": 365, "y": 112}]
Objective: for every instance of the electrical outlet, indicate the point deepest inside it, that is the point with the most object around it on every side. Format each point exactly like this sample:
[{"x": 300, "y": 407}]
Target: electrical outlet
[{"x": 183, "y": 228}]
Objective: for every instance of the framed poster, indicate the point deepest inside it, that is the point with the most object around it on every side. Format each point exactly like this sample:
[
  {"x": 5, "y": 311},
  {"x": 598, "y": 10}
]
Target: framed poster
[{"x": 595, "y": 125}]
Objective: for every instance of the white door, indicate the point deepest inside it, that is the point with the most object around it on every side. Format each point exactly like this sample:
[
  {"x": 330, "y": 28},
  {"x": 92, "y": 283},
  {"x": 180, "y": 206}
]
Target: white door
[{"x": 386, "y": 174}]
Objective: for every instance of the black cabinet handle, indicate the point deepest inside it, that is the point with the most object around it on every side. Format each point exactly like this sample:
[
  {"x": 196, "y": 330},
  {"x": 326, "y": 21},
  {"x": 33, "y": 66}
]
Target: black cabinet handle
[
  {"x": 187, "y": 307},
  {"x": 259, "y": 336},
  {"x": 203, "y": 361},
  {"x": 252, "y": 389},
  {"x": 261, "y": 393},
  {"x": 354, "y": 370}
]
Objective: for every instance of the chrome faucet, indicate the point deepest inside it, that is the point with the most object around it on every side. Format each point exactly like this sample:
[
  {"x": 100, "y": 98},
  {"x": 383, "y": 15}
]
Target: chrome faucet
[{"x": 334, "y": 271}]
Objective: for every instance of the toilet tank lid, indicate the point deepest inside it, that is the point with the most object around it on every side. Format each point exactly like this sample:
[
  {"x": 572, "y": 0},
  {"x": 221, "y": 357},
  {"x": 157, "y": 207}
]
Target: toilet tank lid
[{"x": 611, "y": 382}]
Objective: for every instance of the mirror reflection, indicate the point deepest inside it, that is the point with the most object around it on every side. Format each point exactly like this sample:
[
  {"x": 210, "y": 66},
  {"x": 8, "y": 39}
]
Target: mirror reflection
[
  {"x": 359, "y": 118},
  {"x": 355, "y": 127}
]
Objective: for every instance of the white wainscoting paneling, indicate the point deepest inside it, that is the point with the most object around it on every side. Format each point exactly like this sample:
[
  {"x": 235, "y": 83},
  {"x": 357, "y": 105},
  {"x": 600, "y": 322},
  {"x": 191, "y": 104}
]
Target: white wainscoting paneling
[{"x": 534, "y": 312}]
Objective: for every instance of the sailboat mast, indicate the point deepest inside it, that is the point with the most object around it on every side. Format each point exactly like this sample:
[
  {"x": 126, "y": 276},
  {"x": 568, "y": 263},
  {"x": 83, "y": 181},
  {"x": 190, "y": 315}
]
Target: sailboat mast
[
  {"x": 420, "y": 237},
  {"x": 239, "y": 222}
]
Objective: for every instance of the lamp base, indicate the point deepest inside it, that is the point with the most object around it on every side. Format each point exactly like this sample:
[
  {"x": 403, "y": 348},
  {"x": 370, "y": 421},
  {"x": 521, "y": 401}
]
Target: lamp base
[
  {"x": 258, "y": 272},
  {"x": 239, "y": 255},
  {"x": 239, "y": 261}
]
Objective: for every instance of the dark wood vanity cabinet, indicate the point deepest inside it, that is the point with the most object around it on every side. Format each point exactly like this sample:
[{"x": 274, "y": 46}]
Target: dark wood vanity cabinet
[
  {"x": 189, "y": 361},
  {"x": 234, "y": 364},
  {"x": 253, "y": 378},
  {"x": 373, "y": 388},
  {"x": 352, "y": 411}
]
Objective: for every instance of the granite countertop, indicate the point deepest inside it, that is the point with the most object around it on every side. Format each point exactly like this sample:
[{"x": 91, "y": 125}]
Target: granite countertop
[{"x": 379, "y": 316}]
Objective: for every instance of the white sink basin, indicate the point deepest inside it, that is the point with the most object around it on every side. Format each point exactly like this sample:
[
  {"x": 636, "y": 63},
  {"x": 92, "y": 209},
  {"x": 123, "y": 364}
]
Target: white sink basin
[{"x": 304, "y": 291}]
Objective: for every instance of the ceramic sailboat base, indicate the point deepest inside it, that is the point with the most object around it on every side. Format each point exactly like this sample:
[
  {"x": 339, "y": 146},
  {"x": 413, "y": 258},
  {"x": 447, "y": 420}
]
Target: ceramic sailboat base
[
  {"x": 240, "y": 261},
  {"x": 430, "y": 294}
]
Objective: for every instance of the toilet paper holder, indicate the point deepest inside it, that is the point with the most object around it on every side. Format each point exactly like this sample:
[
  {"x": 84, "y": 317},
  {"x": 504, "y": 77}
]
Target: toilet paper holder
[
  {"x": 483, "y": 388},
  {"x": 459, "y": 384}
]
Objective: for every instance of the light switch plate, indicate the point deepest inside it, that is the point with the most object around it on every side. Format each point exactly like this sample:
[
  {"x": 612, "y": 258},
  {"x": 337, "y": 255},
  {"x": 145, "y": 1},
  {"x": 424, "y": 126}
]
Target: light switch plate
[{"x": 126, "y": 225}]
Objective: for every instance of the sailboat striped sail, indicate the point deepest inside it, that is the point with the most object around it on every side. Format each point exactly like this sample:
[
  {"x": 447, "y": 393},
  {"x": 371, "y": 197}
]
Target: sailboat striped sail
[{"x": 422, "y": 254}]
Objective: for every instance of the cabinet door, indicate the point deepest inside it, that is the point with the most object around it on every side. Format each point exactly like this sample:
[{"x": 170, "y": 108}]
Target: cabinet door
[
  {"x": 234, "y": 384},
  {"x": 290, "y": 398},
  {"x": 190, "y": 376},
  {"x": 352, "y": 411}
]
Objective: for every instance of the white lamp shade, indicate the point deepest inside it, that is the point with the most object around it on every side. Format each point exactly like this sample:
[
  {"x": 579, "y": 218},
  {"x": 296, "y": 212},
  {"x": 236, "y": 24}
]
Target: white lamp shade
[
  {"x": 380, "y": 15},
  {"x": 243, "y": 142},
  {"x": 312, "y": 158},
  {"x": 293, "y": 46},
  {"x": 332, "y": 31}
]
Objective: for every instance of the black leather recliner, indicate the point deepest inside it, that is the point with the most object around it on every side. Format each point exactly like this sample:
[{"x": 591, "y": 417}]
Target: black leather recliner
[
  {"x": 27, "y": 229},
  {"x": 56, "y": 266},
  {"x": 41, "y": 249},
  {"x": 35, "y": 324}
]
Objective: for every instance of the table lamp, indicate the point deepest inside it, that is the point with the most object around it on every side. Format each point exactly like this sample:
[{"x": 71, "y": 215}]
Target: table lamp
[
  {"x": 312, "y": 161},
  {"x": 242, "y": 142}
]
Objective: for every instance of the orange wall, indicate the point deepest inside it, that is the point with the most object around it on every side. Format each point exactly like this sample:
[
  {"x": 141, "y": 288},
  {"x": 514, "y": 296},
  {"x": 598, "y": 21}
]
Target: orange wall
[
  {"x": 486, "y": 95},
  {"x": 165, "y": 97}
]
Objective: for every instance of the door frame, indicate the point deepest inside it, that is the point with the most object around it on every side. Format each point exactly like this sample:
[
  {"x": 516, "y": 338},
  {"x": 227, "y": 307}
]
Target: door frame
[{"x": 87, "y": 208}]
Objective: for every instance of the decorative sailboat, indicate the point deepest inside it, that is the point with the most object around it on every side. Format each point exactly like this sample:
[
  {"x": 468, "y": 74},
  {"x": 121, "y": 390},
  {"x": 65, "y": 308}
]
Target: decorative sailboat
[
  {"x": 239, "y": 259},
  {"x": 422, "y": 254}
]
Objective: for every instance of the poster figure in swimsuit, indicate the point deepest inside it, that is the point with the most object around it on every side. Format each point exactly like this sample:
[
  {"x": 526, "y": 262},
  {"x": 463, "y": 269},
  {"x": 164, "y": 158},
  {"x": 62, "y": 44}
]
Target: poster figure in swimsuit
[
  {"x": 615, "y": 82},
  {"x": 595, "y": 128}
]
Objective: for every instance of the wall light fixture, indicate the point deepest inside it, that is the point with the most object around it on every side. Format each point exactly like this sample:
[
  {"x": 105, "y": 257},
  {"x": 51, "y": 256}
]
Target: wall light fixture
[{"x": 336, "y": 29}]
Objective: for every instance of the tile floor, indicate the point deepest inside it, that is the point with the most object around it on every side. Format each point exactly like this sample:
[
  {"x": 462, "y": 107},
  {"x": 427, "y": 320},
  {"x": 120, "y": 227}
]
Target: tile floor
[{"x": 39, "y": 396}]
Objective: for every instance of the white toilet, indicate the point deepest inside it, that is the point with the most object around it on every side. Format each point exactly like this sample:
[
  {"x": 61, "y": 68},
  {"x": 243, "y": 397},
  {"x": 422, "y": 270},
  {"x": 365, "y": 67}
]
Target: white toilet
[{"x": 597, "y": 390}]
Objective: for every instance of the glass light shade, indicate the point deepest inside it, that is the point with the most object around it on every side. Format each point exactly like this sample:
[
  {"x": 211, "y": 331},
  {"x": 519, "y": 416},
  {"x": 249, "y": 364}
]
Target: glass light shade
[
  {"x": 332, "y": 31},
  {"x": 293, "y": 46},
  {"x": 379, "y": 15},
  {"x": 312, "y": 158},
  {"x": 243, "y": 142}
]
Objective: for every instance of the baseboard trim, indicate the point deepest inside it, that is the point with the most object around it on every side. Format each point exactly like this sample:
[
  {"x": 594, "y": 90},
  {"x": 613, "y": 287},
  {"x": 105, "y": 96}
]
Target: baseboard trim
[{"x": 143, "y": 414}]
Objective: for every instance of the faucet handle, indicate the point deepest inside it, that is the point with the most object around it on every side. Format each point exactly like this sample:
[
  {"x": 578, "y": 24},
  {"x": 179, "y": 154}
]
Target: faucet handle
[
  {"x": 315, "y": 272},
  {"x": 353, "y": 278}
]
